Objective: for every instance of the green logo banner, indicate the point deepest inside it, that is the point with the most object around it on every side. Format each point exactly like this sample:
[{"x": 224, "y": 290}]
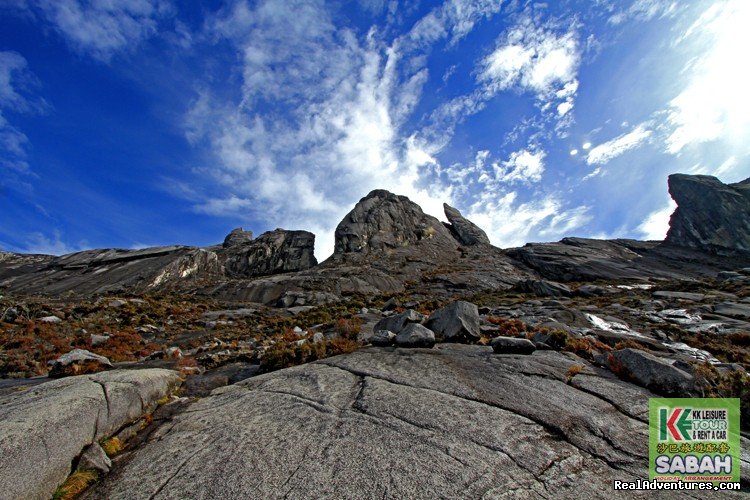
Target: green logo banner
[{"x": 694, "y": 439}]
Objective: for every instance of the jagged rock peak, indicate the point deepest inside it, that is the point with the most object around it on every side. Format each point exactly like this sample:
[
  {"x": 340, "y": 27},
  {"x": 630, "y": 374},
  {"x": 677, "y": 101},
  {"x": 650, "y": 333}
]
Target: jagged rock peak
[
  {"x": 276, "y": 251},
  {"x": 238, "y": 236},
  {"x": 710, "y": 215},
  {"x": 383, "y": 220},
  {"x": 463, "y": 229}
]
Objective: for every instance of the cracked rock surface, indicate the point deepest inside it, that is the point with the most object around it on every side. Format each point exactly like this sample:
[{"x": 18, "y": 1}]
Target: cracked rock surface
[
  {"x": 44, "y": 429},
  {"x": 454, "y": 421}
]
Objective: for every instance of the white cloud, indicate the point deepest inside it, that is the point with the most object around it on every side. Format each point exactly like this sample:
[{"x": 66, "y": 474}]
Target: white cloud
[
  {"x": 656, "y": 225},
  {"x": 103, "y": 27},
  {"x": 454, "y": 19},
  {"x": 334, "y": 129},
  {"x": 15, "y": 97},
  {"x": 715, "y": 103},
  {"x": 536, "y": 59},
  {"x": 509, "y": 223},
  {"x": 644, "y": 10},
  {"x": 39, "y": 243},
  {"x": 522, "y": 166},
  {"x": 605, "y": 152}
]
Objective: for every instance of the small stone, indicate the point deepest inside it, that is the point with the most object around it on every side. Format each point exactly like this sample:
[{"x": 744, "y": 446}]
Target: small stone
[
  {"x": 318, "y": 337},
  {"x": 10, "y": 315},
  {"x": 390, "y": 304},
  {"x": 173, "y": 353},
  {"x": 512, "y": 345},
  {"x": 97, "y": 340},
  {"x": 50, "y": 319},
  {"x": 78, "y": 362},
  {"x": 94, "y": 458}
]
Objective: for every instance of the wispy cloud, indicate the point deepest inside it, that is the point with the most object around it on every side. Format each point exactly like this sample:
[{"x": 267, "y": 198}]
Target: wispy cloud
[
  {"x": 50, "y": 245},
  {"x": 103, "y": 28},
  {"x": 16, "y": 96},
  {"x": 644, "y": 10},
  {"x": 605, "y": 152}
]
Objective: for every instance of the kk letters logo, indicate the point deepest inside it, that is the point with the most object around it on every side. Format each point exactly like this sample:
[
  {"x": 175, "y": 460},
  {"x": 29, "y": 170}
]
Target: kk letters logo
[{"x": 694, "y": 439}]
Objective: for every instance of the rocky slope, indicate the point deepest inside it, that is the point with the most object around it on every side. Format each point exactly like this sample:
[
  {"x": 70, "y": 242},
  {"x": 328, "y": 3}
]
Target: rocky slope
[{"x": 521, "y": 373}]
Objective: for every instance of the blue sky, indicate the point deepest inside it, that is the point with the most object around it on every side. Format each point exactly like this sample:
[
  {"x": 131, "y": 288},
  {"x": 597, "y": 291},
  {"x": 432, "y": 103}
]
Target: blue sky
[{"x": 131, "y": 123}]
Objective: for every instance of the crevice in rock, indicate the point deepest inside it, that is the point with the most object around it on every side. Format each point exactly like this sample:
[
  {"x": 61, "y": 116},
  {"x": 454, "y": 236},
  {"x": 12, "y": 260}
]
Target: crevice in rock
[
  {"x": 551, "y": 429},
  {"x": 172, "y": 476}
]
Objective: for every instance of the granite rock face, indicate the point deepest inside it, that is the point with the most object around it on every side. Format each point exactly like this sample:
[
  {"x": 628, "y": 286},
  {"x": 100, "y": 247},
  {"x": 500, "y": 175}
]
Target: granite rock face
[
  {"x": 463, "y": 229},
  {"x": 238, "y": 236},
  {"x": 710, "y": 215},
  {"x": 382, "y": 220},
  {"x": 274, "y": 252},
  {"x": 43, "y": 429},
  {"x": 450, "y": 422}
]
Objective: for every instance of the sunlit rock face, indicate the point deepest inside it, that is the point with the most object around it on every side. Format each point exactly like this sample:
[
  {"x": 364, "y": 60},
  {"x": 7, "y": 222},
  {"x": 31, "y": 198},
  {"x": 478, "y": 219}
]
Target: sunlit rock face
[{"x": 710, "y": 215}]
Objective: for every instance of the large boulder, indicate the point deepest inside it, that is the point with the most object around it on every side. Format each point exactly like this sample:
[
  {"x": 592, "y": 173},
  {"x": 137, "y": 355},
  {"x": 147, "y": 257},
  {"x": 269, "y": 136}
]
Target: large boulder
[
  {"x": 415, "y": 335},
  {"x": 456, "y": 322},
  {"x": 383, "y": 220},
  {"x": 43, "y": 429},
  {"x": 710, "y": 215},
  {"x": 274, "y": 252},
  {"x": 463, "y": 229},
  {"x": 78, "y": 362},
  {"x": 397, "y": 322},
  {"x": 651, "y": 372}
]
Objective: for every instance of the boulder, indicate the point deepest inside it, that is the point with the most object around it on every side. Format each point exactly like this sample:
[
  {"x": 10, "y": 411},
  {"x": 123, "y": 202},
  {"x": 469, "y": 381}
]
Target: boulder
[
  {"x": 274, "y": 252},
  {"x": 710, "y": 215},
  {"x": 43, "y": 429},
  {"x": 382, "y": 220},
  {"x": 512, "y": 345},
  {"x": 397, "y": 322},
  {"x": 456, "y": 322},
  {"x": 415, "y": 335},
  {"x": 382, "y": 338},
  {"x": 463, "y": 229},
  {"x": 651, "y": 372},
  {"x": 238, "y": 236},
  {"x": 78, "y": 362},
  {"x": 543, "y": 288}
]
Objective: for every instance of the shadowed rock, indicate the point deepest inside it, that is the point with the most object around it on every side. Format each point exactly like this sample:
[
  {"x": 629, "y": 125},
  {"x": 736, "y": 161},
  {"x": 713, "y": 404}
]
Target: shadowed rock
[
  {"x": 383, "y": 220},
  {"x": 274, "y": 252},
  {"x": 463, "y": 229},
  {"x": 710, "y": 215}
]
